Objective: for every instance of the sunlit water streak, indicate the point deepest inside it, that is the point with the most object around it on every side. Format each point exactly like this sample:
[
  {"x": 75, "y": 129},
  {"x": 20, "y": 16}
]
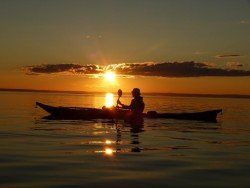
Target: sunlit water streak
[
  {"x": 109, "y": 99},
  {"x": 35, "y": 152}
]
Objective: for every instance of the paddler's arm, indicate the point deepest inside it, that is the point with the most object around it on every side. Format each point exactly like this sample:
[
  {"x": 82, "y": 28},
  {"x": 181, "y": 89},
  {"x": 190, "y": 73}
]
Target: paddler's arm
[{"x": 123, "y": 105}]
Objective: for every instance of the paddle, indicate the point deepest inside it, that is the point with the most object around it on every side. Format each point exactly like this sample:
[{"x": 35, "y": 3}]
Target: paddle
[{"x": 119, "y": 92}]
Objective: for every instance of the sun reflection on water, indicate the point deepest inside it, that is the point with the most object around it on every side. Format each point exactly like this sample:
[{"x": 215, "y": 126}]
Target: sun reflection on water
[
  {"x": 108, "y": 141},
  {"x": 109, "y": 100},
  {"x": 109, "y": 151}
]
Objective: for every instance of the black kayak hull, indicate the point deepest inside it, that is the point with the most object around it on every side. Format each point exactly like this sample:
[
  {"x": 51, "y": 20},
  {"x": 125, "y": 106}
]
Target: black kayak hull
[
  {"x": 113, "y": 113},
  {"x": 83, "y": 113}
]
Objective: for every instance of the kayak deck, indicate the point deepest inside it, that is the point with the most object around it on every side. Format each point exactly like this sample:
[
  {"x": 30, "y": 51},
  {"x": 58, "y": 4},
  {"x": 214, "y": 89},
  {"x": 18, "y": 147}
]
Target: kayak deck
[{"x": 114, "y": 113}]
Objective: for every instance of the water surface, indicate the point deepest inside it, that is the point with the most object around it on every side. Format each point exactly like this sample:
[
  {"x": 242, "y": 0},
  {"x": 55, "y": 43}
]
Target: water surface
[{"x": 35, "y": 152}]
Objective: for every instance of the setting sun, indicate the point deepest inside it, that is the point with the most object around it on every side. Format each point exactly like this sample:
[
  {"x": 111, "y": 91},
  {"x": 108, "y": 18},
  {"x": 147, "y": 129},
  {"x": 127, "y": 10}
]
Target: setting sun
[{"x": 110, "y": 76}]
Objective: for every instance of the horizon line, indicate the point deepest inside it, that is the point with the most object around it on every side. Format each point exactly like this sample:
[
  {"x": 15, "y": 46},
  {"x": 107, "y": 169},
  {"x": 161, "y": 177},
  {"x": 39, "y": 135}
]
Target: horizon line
[{"x": 154, "y": 93}]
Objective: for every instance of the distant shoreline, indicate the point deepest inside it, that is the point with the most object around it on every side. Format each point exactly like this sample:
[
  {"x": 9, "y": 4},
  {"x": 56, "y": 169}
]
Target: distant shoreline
[{"x": 150, "y": 93}]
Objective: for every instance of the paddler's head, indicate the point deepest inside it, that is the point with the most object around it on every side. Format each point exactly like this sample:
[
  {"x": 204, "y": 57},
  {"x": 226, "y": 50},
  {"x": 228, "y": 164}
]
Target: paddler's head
[
  {"x": 119, "y": 93},
  {"x": 136, "y": 92}
]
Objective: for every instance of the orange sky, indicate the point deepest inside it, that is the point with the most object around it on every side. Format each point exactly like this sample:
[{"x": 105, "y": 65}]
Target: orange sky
[
  {"x": 201, "y": 85},
  {"x": 214, "y": 35}
]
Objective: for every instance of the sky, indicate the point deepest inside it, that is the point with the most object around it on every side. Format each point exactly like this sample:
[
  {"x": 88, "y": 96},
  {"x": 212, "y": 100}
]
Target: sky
[{"x": 182, "y": 46}]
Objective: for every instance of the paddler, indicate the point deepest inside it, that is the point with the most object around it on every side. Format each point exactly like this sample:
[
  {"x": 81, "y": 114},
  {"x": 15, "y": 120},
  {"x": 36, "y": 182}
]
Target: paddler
[{"x": 136, "y": 106}]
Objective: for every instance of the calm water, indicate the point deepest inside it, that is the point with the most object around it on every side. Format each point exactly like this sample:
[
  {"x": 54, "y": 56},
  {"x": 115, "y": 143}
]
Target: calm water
[{"x": 40, "y": 153}]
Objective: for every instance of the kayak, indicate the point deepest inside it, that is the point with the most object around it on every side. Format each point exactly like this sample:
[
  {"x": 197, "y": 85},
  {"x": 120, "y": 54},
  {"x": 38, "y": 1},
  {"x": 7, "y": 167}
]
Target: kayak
[{"x": 117, "y": 113}]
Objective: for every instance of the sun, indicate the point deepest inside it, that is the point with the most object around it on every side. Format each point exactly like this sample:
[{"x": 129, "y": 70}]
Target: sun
[{"x": 110, "y": 76}]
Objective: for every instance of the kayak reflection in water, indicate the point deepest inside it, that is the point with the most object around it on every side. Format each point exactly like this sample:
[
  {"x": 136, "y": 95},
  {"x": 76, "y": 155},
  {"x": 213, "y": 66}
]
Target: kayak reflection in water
[{"x": 136, "y": 107}]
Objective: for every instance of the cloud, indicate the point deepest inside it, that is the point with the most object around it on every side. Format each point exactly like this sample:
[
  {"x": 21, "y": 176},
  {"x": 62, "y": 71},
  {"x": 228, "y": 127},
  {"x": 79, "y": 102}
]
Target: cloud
[
  {"x": 228, "y": 55},
  {"x": 59, "y": 68},
  {"x": 183, "y": 69},
  {"x": 245, "y": 22},
  {"x": 234, "y": 65},
  {"x": 198, "y": 52},
  {"x": 93, "y": 37},
  {"x": 167, "y": 69}
]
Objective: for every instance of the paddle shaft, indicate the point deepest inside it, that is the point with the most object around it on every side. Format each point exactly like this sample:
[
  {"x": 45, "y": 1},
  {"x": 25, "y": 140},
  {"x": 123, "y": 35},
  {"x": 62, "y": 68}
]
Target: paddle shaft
[
  {"x": 119, "y": 92},
  {"x": 117, "y": 101}
]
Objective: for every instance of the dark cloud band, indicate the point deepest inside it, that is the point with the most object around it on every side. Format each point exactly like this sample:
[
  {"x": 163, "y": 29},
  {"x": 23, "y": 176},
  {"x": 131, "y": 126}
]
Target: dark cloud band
[
  {"x": 167, "y": 69},
  {"x": 228, "y": 55},
  {"x": 58, "y": 68}
]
